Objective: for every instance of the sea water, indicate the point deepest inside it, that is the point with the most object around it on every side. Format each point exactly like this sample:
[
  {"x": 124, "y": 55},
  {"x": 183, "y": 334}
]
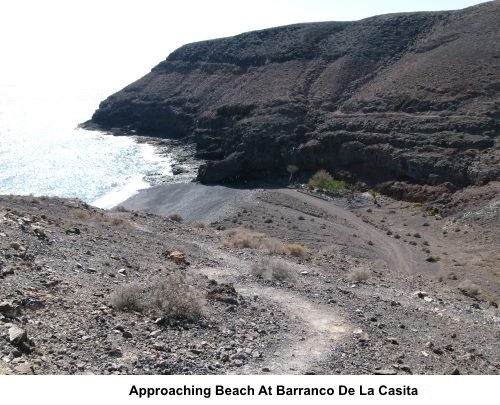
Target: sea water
[{"x": 43, "y": 152}]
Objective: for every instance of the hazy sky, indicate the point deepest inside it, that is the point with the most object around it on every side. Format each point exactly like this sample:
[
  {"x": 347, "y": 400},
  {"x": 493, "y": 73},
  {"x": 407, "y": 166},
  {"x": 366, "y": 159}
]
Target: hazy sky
[{"x": 74, "y": 42}]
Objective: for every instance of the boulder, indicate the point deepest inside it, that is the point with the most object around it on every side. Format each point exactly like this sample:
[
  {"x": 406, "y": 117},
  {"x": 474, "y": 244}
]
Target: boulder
[{"x": 17, "y": 336}]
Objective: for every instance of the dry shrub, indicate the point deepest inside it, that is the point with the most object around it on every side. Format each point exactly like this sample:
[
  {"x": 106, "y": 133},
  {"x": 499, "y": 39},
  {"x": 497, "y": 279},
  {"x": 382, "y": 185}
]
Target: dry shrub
[
  {"x": 273, "y": 245},
  {"x": 330, "y": 250},
  {"x": 245, "y": 238},
  {"x": 129, "y": 297},
  {"x": 170, "y": 297},
  {"x": 176, "y": 217},
  {"x": 175, "y": 299},
  {"x": 359, "y": 275},
  {"x": 173, "y": 248},
  {"x": 80, "y": 214},
  {"x": 199, "y": 225},
  {"x": 118, "y": 221},
  {"x": 272, "y": 269},
  {"x": 294, "y": 249},
  {"x": 468, "y": 288}
]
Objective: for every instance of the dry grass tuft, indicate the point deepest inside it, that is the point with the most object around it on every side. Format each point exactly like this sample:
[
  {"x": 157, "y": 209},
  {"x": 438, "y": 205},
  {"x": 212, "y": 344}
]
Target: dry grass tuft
[
  {"x": 80, "y": 214},
  {"x": 129, "y": 297},
  {"x": 272, "y": 269},
  {"x": 84, "y": 215},
  {"x": 294, "y": 249},
  {"x": 176, "y": 217},
  {"x": 468, "y": 288},
  {"x": 245, "y": 238},
  {"x": 35, "y": 200},
  {"x": 115, "y": 221},
  {"x": 359, "y": 275}
]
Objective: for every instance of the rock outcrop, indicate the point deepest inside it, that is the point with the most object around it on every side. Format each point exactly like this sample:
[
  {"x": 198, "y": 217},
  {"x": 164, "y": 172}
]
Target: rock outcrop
[{"x": 410, "y": 97}]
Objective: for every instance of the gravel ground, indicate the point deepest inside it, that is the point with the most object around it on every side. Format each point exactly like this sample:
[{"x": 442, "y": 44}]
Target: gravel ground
[{"x": 278, "y": 281}]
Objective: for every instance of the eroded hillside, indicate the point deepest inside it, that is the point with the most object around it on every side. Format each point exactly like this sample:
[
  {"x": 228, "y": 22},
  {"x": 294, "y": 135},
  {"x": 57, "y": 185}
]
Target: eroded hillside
[{"x": 403, "y": 97}]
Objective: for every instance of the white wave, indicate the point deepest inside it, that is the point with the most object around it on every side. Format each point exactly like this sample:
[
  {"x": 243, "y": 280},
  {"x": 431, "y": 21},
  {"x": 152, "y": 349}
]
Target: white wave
[{"x": 119, "y": 194}]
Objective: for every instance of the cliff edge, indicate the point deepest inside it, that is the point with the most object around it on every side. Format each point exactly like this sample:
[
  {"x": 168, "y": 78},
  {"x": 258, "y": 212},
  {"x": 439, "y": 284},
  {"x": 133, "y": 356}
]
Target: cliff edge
[{"x": 409, "y": 98}]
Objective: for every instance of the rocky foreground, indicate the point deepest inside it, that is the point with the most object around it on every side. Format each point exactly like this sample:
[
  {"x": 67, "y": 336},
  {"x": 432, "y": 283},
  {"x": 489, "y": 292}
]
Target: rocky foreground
[
  {"x": 399, "y": 101},
  {"x": 282, "y": 281}
]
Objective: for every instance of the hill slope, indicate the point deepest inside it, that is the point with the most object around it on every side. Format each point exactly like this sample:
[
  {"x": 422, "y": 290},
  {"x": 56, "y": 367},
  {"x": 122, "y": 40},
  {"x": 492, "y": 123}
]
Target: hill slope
[{"x": 411, "y": 97}]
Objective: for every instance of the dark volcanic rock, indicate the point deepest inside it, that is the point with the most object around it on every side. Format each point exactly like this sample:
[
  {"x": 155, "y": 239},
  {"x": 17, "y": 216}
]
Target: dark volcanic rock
[{"x": 407, "y": 97}]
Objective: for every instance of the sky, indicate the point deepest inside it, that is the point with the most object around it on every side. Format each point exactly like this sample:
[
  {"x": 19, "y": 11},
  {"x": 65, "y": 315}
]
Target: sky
[{"x": 73, "y": 44}]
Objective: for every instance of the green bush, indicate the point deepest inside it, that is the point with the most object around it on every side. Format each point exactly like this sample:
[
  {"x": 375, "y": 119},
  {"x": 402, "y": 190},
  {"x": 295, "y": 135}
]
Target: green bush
[
  {"x": 324, "y": 180},
  {"x": 373, "y": 195}
]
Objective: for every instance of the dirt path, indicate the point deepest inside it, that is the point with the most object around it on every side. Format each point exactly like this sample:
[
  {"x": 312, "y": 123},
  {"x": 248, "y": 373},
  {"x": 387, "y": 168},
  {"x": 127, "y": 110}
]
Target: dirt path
[
  {"x": 397, "y": 256},
  {"x": 302, "y": 348},
  {"x": 320, "y": 327}
]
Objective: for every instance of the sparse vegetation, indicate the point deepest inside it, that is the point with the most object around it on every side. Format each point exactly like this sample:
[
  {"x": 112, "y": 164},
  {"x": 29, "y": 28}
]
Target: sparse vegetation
[
  {"x": 358, "y": 275},
  {"x": 324, "y": 180},
  {"x": 177, "y": 293},
  {"x": 352, "y": 190},
  {"x": 35, "y": 200},
  {"x": 176, "y": 217},
  {"x": 88, "y": 215},
  {"x": 129, "y": 297},
  {"x": 291, "y": 169},
  {"x": 116, "y": 221},
  {"x": 431, "y": 212},
  {"x": 294, "y": 249},
  {"x": 468, "y": 288},
  {"x": 245, "y": 238},
  {"x": 170, "y": 297},
  {"x": 174, "y": 298},
  {"x": 80, "y": 214},
  {"x": 272, "y": 269},
  {"x": 373, "y": 195}
]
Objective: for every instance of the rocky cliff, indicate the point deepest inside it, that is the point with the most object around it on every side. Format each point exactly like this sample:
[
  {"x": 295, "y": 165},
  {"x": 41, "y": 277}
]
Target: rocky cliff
[{"x": 411, "y": 97}]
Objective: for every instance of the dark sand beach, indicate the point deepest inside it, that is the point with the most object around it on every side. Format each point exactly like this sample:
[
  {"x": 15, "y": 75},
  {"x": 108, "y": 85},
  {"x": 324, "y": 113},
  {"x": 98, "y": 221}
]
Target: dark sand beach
[{"x": 193, "y": 201}]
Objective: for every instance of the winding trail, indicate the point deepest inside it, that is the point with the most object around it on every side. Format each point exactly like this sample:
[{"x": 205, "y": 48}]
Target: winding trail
[
  {"x": 321, "y": 326},
  {"x": 397, "y": 256},
  {"x": 301, "y": 350}
]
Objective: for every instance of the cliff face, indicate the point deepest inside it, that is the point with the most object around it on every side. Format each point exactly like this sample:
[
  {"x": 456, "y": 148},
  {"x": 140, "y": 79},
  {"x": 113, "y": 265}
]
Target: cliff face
[{"x": 412, "y": 97}]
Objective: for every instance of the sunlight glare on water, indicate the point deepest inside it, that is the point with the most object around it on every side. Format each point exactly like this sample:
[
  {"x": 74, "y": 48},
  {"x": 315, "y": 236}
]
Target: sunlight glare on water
[{"x": 42, "y": 152}]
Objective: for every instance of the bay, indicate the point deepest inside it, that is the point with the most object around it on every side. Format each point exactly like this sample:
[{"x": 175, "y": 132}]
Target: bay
[{"x": 43, "y": 152}]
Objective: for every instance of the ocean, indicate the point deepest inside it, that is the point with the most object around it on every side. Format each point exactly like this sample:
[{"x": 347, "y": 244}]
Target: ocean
[{"x": 43, "y": 152}]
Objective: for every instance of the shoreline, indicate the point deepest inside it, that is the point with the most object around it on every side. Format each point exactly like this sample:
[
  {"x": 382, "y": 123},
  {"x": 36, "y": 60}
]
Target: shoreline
[
  {"x": 183, "y": 169},
  {"x": 117, "y": 195}
]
